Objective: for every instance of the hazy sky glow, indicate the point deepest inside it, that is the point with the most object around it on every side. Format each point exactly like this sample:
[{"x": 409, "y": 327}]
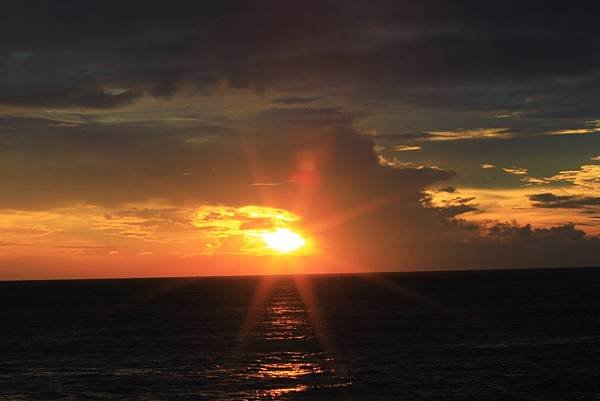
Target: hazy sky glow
[{"x": 141, "y": 139}]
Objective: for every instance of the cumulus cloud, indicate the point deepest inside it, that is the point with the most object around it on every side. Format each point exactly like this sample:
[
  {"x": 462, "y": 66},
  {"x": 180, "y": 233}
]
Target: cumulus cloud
[{"x": 327, "y": 171}]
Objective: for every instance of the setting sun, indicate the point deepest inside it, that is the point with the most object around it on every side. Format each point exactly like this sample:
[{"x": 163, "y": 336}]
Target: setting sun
[{"x": 283, "y": 240}]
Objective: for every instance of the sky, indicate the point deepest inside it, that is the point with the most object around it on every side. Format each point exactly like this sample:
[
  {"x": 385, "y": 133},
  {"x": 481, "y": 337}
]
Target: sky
[{"x": 165, "y": 138}]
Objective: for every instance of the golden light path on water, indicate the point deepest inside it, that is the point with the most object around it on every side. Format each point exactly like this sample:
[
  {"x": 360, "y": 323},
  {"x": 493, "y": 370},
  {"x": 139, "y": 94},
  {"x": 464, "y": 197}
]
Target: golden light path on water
[
  {"x": 296, "y": 359},
  {"x": 287, "y": 324},
  {"x": 297, "y": 353}
]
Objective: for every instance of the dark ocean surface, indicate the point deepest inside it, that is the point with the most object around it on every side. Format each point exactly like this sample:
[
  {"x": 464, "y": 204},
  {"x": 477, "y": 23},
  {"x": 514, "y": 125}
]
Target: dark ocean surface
[{"x": 488, "y": 335}]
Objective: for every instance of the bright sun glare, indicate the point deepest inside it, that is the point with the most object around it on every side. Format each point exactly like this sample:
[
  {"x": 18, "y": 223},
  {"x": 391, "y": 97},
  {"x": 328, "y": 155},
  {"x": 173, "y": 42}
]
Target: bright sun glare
[{"x": 283, "y": 240}]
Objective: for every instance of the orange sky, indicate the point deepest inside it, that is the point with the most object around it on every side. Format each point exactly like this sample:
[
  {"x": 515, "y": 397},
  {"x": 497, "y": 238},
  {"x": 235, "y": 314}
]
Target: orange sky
[{"x": 152, "y": 142}]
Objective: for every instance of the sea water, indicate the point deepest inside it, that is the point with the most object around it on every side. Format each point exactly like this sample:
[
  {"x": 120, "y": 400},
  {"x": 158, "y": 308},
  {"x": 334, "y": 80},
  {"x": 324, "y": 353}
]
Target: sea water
[{"x": 480, "y": 335}]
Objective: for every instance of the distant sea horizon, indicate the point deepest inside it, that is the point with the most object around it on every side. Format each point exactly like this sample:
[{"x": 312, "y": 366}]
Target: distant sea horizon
[{"x": 284, "y": 274}]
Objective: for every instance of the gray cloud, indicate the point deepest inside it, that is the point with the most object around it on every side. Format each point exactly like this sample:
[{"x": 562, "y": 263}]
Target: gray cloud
[
  {"x": 541, "y": 59},
  {"x": 296, "y": 99},
  {"x": 550, "y": 200}
]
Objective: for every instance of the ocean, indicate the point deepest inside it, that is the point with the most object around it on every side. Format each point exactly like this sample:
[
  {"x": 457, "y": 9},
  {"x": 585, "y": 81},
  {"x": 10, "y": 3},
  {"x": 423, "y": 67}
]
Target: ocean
[{"x": 470, "y": 335}]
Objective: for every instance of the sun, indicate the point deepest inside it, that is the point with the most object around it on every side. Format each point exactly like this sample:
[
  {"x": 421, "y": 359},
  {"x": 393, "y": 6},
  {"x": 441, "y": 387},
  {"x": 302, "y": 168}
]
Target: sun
[{"x": 283, "y": 240}]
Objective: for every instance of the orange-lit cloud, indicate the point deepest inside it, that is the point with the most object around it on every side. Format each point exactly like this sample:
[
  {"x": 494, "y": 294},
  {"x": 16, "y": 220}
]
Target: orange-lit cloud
[
  {"x": 143, "y": 228},
  {"x": 590, "y": 127},
  {"x": 150, "y": 238},
  {"x": 508, "y": 205},
  {"x": 515, "y": 170},
  {"x": 405, "y": 148},
  {"x": 587, "y": 178},
  {"x": 572, "y": 195},
  {"x": 477, "y": 133}
]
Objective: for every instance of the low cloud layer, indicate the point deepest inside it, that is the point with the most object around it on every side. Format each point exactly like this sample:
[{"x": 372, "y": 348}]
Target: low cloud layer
[{"x": 550, "y": 200}]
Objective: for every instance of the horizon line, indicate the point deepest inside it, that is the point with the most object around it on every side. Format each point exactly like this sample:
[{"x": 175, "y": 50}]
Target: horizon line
[{"x": 463, "y": 270}]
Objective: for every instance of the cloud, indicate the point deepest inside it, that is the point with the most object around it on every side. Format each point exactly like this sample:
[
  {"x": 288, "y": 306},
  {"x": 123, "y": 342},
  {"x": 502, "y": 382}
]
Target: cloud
[
  {"x": 512, "y": 231},
  {"x": 134, "y": 228},
  {"x": 139, "y": 49},
  {"x": 535, "y": 181},
  {"x": 576, "y": 131},
  {"x": 589, "y": 127},
  {"x": 550, "y": 200},
  {"x": 477, "y": 133},
  {"x": 349, "y": 56},
  {"x": 525, "y": 205},
  {"x": 587, "y": 177},
  {"x": 227, "y": 220},
  {"x": 510, "y": 244},
  {"x": 448, "y": 189},
  {"x": 405, "y": 148},
  {"x": 583, "y": 192},
  {"x": 447, "y": 204},
  {"x": 294, "y": 100},
  {"x": 515, "y": 170},
  {"x": 329, "y": 175},
  {"x": 487, "y": 165},
  {"x": 584, "y": 180},
  {"x": 456, "y": 135}
]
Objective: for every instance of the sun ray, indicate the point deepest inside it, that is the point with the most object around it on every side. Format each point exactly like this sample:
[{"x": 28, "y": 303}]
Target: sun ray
[
  {"x": 256, "y": 308},
  {"x": 353, "y": 212}
]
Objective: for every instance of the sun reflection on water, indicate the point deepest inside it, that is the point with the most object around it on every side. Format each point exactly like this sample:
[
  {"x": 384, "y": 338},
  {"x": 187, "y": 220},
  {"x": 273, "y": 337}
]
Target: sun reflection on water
[
  {"x": 291, "y": 358},
  {"x": 287, "y": 365},
  {"x": 287, "y": 322},
  {"x": 278, "y": 392}
]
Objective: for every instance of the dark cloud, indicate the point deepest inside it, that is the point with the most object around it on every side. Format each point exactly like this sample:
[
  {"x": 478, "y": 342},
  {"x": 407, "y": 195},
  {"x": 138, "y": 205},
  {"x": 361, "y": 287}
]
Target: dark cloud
[
  {"x": 296, "y": 100},
  {"x": 511, "y": 245},
  {"x": 409, "y": 136},
  {"x": 449, "y": 189},
  {"x": 304, "y": 116},
  {"x": 455, "y": 210},
  {"x": 496, "y": 56},
  {"x": 47, "y": 165},
  {"x": 550, "y": 200},
  {"x": 511, "y": 232}
]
